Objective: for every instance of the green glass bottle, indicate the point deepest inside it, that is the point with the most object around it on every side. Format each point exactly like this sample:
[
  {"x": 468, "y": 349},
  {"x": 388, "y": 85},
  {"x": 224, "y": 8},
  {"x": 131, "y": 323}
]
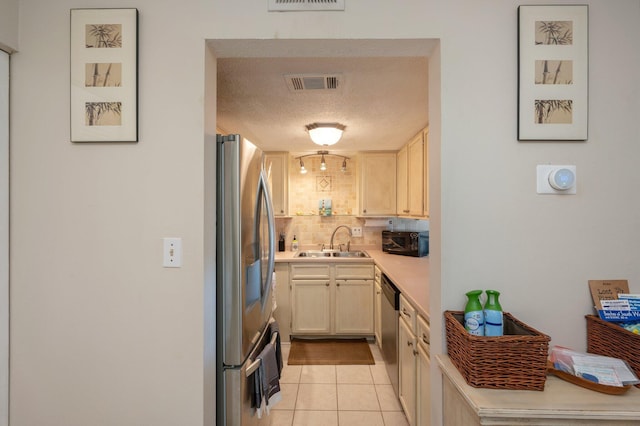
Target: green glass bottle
[
  {"x": 493, "y": 324},
  {"x": 473, "y": 314}
]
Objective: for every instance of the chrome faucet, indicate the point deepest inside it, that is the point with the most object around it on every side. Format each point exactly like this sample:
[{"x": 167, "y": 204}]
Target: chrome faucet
[{"x": 334, "y": 234}]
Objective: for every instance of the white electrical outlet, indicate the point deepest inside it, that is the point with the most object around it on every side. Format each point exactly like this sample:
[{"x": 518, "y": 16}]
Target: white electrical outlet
[
  {"x": 356, "y": 231},
  {"x": 172, "y": 252}
]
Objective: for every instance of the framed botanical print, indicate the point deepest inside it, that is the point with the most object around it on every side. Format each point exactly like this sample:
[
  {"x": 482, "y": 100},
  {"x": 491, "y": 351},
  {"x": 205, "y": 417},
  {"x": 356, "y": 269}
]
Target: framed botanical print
[
  {"x": 104, "y": 75},
  {"x": 553, "y": 73}
]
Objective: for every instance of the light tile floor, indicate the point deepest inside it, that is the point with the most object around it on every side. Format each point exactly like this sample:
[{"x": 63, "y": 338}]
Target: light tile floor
[{"x": 337, "y": 395}]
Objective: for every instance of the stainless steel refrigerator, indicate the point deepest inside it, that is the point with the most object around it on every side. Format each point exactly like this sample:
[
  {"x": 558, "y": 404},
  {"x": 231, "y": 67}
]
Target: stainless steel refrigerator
[{"x": 245, "y": 246}]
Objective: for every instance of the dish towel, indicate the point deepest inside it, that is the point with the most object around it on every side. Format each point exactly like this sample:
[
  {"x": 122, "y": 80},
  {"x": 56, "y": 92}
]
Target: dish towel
[
  {"x": 266, "y": 381},
  {"x": 275, "y": 328}
]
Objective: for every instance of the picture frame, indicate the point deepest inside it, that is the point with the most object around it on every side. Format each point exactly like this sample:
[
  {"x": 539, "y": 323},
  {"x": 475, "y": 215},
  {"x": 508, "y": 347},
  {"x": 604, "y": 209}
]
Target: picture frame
[
  {"x": 104, "y": 75},
  {"x": 553, "y": 70}
]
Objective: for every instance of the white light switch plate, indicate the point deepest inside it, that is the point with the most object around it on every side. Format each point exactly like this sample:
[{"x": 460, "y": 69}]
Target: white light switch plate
[
  {"x": 172, "y": 252},
  {"x": 544, "y": 187}
]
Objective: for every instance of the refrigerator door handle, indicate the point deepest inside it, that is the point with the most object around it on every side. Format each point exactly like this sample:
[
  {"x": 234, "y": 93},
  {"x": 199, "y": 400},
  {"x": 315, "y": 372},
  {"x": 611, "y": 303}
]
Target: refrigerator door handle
[
  {"x": 255, "y": 364},
  {"x": 271, "y": 225}
]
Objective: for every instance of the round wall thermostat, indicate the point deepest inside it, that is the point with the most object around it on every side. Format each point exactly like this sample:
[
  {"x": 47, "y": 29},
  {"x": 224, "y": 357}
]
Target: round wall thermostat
[{"x": 562, "y": 179}]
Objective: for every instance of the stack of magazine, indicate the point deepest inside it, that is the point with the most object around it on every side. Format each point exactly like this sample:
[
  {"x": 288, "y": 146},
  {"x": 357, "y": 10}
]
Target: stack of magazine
[{"x": 596, "y": 368}]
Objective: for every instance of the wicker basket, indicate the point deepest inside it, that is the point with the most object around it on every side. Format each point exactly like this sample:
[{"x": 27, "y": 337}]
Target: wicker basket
[
  {"x": 516, "y": 360},
  {"x": 605, "y": 338}
]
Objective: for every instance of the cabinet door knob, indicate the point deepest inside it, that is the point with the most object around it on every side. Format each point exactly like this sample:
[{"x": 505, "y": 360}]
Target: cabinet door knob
[
  {"x": 327, "y": 284},
  {"x": 409, "y": 343},
  {"x": 337, "y": 284}
]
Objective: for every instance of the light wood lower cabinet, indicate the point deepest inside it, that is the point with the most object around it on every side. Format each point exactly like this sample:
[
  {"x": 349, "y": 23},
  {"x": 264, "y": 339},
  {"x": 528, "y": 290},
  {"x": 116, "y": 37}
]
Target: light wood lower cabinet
[
  {"x": 423, "y": 385},
  {"x": 414, "y": 365},
  {"x": 377, "y": 302},
  {"x": 407, "y": 370},
  {"x": 377, "y": 322},
  {"x": 311, "y": 300},
  {"x": 354, "y": 306},
  {"x": 282, "y": 314},
  {"x": 331, "y": 299},
  {"x": 423, "y": 395}
]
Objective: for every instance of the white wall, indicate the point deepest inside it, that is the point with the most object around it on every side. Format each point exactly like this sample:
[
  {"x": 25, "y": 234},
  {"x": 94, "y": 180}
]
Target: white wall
[
  {"x": 9, "y": 25},
  {"x": 102, "y": 334}
]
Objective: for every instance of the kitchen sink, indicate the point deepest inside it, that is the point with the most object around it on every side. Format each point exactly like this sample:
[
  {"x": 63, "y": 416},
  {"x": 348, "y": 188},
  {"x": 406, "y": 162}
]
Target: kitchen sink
[
  {"x": 332, "y": 253},
  {"x": 356, "y": 253},
  {"x": 313, "y": 253}
]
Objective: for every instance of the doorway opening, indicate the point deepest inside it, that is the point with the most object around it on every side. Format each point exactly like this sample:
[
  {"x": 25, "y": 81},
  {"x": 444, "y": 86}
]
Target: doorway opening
[{"x": 258, "y": 63}]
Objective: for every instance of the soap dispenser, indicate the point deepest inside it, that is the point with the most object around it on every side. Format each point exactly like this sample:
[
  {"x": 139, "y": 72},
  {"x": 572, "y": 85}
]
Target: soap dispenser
[
  {"x": 294, "y": 244},
  {"x": 281, "y": 242}
]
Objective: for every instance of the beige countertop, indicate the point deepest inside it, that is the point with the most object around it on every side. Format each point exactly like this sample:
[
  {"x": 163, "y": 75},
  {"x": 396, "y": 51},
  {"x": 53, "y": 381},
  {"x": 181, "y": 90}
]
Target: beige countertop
[
  {"x": 559, "y": 400},
  {"x": 409, "y": 274}
]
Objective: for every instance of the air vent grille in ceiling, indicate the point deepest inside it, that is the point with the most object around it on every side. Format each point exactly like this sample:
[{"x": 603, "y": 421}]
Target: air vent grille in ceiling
[
  {"x": 315, "y": 82},
  {"x": 304, "y": 5}
]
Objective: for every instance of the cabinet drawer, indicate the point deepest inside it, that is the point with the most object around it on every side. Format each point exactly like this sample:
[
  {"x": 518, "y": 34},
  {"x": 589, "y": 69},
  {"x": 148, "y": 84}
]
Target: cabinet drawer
[
  {"x": 424, "y": 333},
  {"x": 351, "y": 271},
  {"x": 311, "y": 271},
  {"x": 408, "y": 312}
]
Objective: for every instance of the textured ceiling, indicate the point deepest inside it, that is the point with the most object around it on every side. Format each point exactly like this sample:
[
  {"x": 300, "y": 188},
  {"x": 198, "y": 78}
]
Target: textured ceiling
[{"x": 381, "y": 99}]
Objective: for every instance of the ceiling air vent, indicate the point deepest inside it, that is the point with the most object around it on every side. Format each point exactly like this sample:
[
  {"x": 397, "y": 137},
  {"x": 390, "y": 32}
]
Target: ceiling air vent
[
  {"x": 304, "y": 5},
  {"x": 313, "y": 82}
]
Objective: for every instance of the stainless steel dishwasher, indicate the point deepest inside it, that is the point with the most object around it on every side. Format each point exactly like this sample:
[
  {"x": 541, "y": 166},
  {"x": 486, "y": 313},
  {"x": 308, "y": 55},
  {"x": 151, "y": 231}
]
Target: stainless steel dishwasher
[{"x": 390, "y": 306}]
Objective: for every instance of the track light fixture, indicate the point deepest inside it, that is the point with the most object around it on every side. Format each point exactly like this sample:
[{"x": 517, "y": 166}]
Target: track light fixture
[{"x": 323, "y": 162}]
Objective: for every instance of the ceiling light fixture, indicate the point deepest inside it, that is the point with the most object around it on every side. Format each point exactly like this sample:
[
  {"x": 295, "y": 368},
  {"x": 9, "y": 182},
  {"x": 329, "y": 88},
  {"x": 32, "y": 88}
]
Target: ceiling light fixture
[
  {"x": 325, "y": 134},
  {"x": 323, "y": 162}
]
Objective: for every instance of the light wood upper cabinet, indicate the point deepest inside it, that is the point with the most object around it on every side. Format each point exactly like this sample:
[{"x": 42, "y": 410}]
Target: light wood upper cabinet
[
  {"x": 277, "y": 166},
  {"x": 411, "y": 194},
  {"x": 415, "y": 180},
  {"x": 378, "y": 184},
  {"x": 402, "y": 192},
  {"x": 425, "y": 148}
]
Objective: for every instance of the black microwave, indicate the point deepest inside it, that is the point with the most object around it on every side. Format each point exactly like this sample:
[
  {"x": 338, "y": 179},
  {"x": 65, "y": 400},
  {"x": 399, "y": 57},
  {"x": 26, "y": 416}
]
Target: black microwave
[{"x": 406, "y": 243}]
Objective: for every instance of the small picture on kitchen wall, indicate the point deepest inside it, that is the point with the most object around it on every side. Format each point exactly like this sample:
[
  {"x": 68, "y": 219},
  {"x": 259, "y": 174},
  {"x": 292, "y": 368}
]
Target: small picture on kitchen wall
[
  {"x": 104, "y": 75},
  {"x": 553, "y": 73},
  {"x": 553, "y": 111},
  {"x": 554, "y": 32},
  {"x": 323, "y": 183}
]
